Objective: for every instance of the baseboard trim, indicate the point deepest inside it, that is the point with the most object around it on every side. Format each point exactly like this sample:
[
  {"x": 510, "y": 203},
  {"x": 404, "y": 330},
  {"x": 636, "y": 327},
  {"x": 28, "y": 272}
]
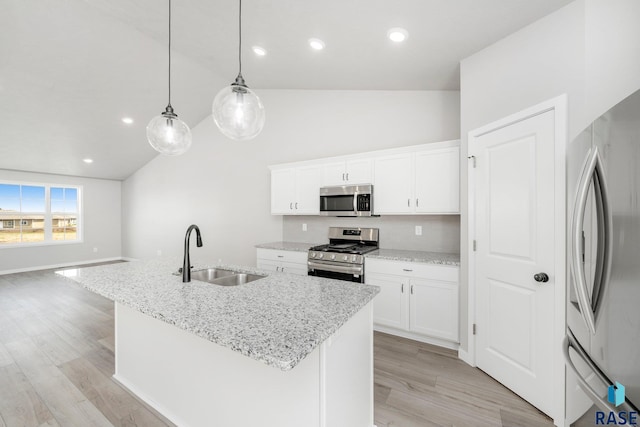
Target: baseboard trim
[
  {"x": 466, "y": 357},
  {"x": 145, "y": 400},
  {"x": 417, "y": 337},
  {"x": 63, "y": 265}
]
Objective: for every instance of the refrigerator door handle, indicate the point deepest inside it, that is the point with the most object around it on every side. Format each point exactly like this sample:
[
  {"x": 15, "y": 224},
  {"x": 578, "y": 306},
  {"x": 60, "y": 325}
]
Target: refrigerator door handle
[
  {"x": 592, "y": 173},
  {"x": 571, "y": 342}
]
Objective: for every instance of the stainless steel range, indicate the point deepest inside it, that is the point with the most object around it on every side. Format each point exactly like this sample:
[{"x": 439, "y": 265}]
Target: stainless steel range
[{"x": 343, "y": 257}]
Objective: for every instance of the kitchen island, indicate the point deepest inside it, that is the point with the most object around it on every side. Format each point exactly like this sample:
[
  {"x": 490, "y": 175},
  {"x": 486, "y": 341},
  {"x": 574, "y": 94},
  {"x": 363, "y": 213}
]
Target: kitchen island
[{"x": 284, "y": 350}]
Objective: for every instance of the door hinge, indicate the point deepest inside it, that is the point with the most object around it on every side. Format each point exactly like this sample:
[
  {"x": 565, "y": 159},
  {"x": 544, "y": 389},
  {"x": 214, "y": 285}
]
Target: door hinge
[
  {"x": 474, "y": 160},
  {"x": 474, "y": 245},
  {"x": 474, "y": 329}
]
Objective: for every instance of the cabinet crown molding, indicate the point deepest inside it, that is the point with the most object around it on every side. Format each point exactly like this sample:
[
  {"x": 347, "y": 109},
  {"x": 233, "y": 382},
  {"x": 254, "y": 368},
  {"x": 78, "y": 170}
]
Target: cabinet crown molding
[{"x": 371, "y": 154}]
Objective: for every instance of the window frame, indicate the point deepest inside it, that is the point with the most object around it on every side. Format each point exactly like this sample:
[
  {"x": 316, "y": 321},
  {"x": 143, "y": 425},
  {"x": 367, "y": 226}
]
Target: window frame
[{"x": 48, "y": 216}]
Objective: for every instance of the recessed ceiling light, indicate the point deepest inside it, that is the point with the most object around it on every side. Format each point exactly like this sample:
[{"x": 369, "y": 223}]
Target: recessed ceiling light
[
  {"x": 260, "y": 51},
  {"x": 316, "y": 44},
  {"x": 87, "y": 160},
  {"x": 127, "y": 120},
  {"x": 397, "y": 34}
]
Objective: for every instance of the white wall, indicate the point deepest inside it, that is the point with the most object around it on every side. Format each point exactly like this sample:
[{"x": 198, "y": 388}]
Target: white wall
[
  {"x": 101, "y": 228},
  {"x": 224, "y": 186},
  {"x": 588, "y": 50}
]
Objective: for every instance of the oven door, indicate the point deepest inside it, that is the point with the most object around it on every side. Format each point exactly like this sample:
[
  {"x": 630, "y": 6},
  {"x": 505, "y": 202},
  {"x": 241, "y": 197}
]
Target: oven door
[{"x": 336, "y": 270}]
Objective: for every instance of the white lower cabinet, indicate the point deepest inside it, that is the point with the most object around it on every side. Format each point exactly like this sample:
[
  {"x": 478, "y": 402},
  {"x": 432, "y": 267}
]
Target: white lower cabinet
[
  {"x": 433, "y": 308},
  {"x": 389, "y": 306},
  {"x": 282, "y": 261},
  {"x": 416, "y": 300}
]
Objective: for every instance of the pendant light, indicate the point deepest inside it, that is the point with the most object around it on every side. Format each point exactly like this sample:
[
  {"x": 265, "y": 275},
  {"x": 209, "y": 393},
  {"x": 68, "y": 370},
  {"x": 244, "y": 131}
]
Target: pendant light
[
  {"x": 237, "y": 110},
  {"x": 167, "y": 133}
]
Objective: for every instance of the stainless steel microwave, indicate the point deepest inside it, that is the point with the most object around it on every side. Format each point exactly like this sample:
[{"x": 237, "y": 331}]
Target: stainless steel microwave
[{"x": 347, "y": 200}]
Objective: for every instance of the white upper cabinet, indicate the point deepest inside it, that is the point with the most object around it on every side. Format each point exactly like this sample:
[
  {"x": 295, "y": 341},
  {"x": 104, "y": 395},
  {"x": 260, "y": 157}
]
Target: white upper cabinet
[
  {"x": 283, "y": 191},
  {"x": 421, "y": 179},
  {"x": 308, "y": 181},
  {"x": 393, "y": 188},
  {"x": 422, "y": 182},
  {"x": 296, "y": 191},
  {"x": 348, "y": 172},
  {"x": 437, "y": 181}
]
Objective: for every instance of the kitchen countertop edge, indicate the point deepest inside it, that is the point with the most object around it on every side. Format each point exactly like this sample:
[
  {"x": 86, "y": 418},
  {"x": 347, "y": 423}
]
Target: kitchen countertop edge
[
  {"x": 193, "y": 326},
  {"x": 438, "y": 258},
  {"x": 287, "y": 246}
]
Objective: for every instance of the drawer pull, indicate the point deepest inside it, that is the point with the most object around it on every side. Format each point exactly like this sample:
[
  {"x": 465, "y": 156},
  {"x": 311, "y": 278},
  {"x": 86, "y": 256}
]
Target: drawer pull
[{"x": 407, "y": 269}]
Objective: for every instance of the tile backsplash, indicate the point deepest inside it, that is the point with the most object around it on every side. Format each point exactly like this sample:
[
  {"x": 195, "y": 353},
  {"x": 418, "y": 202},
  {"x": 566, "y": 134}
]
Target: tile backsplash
[{"x": 440, "y": 233}]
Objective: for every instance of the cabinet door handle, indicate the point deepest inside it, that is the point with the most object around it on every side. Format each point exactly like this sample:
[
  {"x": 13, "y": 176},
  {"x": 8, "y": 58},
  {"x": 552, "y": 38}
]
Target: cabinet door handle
[
  {"x": 411, "y": 289},
  {"x": 343, "y": 176},
  {"x": 417, "y": 203},
  {"x": 347, "y": 176},
  {"x": 291, "y": 205},
  {"x": 408, "y": 203},
  {"x": 280, "y": 256},
  {"x": 402, "y": 288},
  {"x": 296, "y": 205},
  {"x": 406, "y": 269}
]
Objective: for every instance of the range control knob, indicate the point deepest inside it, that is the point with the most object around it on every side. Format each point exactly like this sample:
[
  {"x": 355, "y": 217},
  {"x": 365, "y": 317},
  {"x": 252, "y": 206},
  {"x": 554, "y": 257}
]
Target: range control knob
[
  {"x": 345, "y": 257},
  {"x": 320, "y": 255},
  {"x": 354, "y": 258},
  {"x": 312, "y": 254},
  {"x": 333, "y": 256}
]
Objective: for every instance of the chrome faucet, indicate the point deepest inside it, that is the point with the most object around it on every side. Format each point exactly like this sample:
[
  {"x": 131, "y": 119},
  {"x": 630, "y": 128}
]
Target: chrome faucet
[{"x": 186, "y": 262}]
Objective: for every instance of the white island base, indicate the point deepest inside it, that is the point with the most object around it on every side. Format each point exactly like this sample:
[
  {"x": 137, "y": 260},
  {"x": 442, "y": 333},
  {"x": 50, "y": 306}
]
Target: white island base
[{"x": 196, "y": 383}]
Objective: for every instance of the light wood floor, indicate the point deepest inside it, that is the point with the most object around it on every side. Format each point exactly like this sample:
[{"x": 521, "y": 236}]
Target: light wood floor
[{"x": 56, "y": 362}]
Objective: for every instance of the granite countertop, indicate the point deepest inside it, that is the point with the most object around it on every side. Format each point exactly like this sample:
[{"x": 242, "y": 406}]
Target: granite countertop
[
  {"x": 416, "y": 256},
  {"x": 287, "y": 246},
  {"x": 277, "y": 320}
]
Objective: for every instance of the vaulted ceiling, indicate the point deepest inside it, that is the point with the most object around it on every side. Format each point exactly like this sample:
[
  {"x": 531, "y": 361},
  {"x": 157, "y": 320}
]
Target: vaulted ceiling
[{"x": 70, "y": 70}]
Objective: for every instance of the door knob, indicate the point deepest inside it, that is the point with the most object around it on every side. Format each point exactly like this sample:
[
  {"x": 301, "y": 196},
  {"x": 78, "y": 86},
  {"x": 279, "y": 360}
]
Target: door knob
[{"x": 541, "y": 277}]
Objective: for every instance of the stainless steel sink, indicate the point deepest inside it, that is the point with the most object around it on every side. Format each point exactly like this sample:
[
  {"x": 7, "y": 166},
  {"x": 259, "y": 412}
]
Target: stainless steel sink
[
  {"x": 222, "y": 277},
  {"x": 210, "y": 274},
  {"x": 236, "y": 279}
]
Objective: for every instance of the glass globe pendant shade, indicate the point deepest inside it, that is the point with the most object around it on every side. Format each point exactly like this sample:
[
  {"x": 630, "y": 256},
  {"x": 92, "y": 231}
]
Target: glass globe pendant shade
[
  {"x": 238, "y": 112},
  {"x": 168, "y": 134}
]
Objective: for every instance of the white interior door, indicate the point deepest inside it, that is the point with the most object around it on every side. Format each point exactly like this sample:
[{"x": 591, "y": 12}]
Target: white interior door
[{"x": 515, "y": 240}]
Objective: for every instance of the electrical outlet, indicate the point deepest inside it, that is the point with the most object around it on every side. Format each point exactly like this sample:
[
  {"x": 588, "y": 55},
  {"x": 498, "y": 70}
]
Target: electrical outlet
[
  {"x": 418, "y": 230},
  {"x": 95, "y": 250},
  {"x": 304, "y": 227}
]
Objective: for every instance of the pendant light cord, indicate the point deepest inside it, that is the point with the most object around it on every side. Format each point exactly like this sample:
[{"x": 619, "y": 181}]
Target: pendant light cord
[
  {"x": 169, "y": 52},
  {"x": 240, "y": 37}
]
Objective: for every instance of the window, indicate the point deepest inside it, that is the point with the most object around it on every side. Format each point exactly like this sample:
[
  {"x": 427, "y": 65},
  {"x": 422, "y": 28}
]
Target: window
[
  {"x": 32, "y": 214},
  {"x": 64, "y": 207}
]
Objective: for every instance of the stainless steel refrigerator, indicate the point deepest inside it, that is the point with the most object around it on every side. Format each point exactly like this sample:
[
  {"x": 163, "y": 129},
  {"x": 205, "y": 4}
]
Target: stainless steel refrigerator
[{"x": 602, "y": 348}]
